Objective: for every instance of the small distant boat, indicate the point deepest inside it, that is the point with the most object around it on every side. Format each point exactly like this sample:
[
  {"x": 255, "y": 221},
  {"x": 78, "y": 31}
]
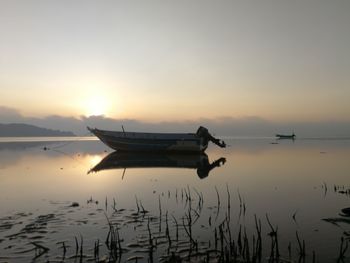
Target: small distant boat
[
  {"x": 127, "y": 160},
  {"x": 286, "y": 136},
  {"x": 157, "y": 142}
]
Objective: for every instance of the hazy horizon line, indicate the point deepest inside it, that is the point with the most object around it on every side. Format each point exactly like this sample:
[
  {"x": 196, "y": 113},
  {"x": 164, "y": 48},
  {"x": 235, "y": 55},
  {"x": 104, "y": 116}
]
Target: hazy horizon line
[{"x": 243, "y": 126}]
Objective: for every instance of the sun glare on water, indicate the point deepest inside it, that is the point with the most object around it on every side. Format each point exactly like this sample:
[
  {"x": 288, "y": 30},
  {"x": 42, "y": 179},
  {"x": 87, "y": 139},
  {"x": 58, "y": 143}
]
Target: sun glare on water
[{"x": 94, "y": 159}]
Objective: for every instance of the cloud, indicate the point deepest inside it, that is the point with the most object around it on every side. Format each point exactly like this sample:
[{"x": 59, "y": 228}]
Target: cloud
[
  {"x": 228, "y": 126},
  {"x": 8, "y": 114}
]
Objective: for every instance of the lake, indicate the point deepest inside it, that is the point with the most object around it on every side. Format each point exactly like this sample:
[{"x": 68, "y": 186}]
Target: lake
[{"x": 258, "y": 199}]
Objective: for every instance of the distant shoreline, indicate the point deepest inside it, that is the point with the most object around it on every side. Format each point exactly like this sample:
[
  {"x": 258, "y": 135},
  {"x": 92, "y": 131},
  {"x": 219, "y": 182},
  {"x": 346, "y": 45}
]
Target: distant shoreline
[{"x": 27, "y": 130}]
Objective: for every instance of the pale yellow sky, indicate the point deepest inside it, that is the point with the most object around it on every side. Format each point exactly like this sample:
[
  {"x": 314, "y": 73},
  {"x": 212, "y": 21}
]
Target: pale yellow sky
[{"x": 177, "y": 60}]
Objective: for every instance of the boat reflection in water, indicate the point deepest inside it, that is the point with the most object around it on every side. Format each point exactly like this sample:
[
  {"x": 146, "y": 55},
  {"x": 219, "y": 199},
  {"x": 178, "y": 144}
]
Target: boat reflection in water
[{"x": 123, "y": 160}]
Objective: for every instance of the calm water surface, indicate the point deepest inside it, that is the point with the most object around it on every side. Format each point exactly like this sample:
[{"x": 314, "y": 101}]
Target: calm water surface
[{"x": 300, "y": 185}]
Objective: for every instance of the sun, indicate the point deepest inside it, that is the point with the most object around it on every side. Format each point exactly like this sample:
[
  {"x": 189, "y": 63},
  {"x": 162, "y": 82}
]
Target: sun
[{"x": 96, "y": 106}]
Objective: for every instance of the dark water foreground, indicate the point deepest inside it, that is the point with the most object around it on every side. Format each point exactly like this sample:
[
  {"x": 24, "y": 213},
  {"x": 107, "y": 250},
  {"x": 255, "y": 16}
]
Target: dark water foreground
[{"x": 260, "y": 200}]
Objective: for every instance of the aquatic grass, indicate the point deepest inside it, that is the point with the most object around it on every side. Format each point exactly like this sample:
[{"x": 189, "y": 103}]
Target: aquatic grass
[
  {"x": 113, "y": 241},
  {"x": 64, "y": 249},
  {"x": 274, "y": 240},
  {"x": 177, "y": 235},
  {"x": 302, "y": 250},
  {"x": 218, "y": 203},
  {"x": 343, "y": 249},
  {"x": 342, "y": 189},
  {"x": 39, "y": 249},
  {"x": 97, "y": 250}
]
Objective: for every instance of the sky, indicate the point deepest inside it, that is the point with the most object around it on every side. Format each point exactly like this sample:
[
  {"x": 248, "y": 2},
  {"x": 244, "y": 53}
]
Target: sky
[{"x": 160, "y": 61}]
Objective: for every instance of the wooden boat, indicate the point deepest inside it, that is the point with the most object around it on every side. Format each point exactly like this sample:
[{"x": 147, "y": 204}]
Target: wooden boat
[
  {"x": 157, "y": 142},
  {"x": 286, "y": 136},
  {"x": 127, "y": 160}
]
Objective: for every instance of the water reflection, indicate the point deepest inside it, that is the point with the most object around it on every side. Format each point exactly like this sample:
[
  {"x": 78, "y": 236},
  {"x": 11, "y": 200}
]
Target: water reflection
[
  {"x": 290, "y": 181},
  {"x": 124, "y": 160},
  {"x": 344, "y": 217},
  {"x": 15, "y": 146}
]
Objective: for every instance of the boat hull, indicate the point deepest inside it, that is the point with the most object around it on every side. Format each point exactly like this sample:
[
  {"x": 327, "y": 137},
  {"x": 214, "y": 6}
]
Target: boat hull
[
  {"x": 151, "y": 142},
  {"x": 283, "y": 136}
]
